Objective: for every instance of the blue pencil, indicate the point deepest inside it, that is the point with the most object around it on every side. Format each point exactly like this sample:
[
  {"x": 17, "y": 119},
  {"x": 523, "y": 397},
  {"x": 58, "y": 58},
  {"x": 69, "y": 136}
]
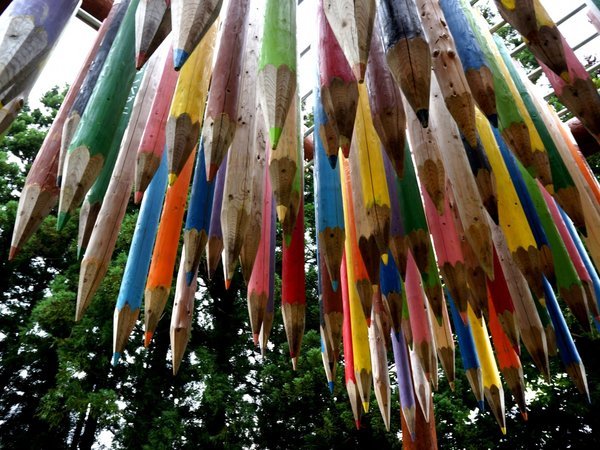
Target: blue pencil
[
  {"x": 564, "y": 341},
  {"x": 197, "y": 221},
  {"x": 468, "y": 352},
  {"x": 328, "y": 201},
  {"x": 138, "y": 262}
]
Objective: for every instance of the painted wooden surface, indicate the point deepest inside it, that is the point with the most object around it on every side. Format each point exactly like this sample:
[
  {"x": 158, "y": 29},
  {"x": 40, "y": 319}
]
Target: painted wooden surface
[
  {"x": 277, "y": 66},
  {"x": 87, "y": 150},
  {"x": 448, "y": 68},
  {"x": 187, "y": 107},
  {"x": 152, "y": 25},
  {"x": 328, "y": 201},
  {"x": 29, "y": 31},
  {"x": 338, "y": 85},
  {"x": 220, "y": 122},
  {"x": 191, "y": 23},
  {"x": 352, "y": 23},
  {"x": 407, "y": 52},
  {"x": 105, "y": 38},
  {"x": 385, "y": 100},
  {"x": 152, "y": 145},
  {"x": 131, "y": 291},
  {"x": 397, "y": 242},
  {"x": 160, "y": 275},
  {"x": 404, "y": 378},
  {"x": 267, "y": 323},
  {"x": 422, "y": 386}
]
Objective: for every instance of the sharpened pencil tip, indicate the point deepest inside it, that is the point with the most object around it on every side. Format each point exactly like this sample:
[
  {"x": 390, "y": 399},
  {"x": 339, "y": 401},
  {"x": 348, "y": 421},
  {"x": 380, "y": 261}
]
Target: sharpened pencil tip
[
  {"x": 332, "y": 160},
  {"x": 148, "y": 338},
  {"x": 365, "y": 406},
  {"x": 140, "y": 60},
  {"x": 62, "y": 219},
  {"x": 334, "y": 285},
  {"x": 115, "y": 358},
  {"x": 451, "y": 385},
  {"x": 524, "y": 416},
  {"x": 359, "y": 72},
  {"x": 180, "y": 56},
  {"x": 137, "y": 197},
  {"x": 294, "y": 362},
  {"x": 385, "y": 259},
  {"x": 423, "y": 116},
  {"x": 357, "y": 423},
  {"x": 274, "y": 136},
  {"x": 255, "y": 337},
  {"x": 172, "y": 178},
  {"x": 481, "y": 405},
  {"x": 281, "y": 212},
  {"x": 227, "y": 283},
  {"x": 331, "y": 386},
  {"x": 12, "y": 252},
  {"x": 503, "y": 429}
]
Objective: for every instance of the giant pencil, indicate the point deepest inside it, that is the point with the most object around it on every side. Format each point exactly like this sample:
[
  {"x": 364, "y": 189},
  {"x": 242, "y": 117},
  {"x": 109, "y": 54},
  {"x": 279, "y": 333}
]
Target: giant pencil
[
  {"x": 391, "y": 291},
  {"x": 87, "y": 150},
  {"x": 181, "y": 315},
  {"x": 397, "y": 241},
  {"x": 568, "y": 352},
  {"x": 104, "y": 41},
  {"x": 214, "y": 245},
  {"x": 293, "y": 288},
  {"x": 352, "y": 23},
  {"x": 405, "y": 385},
  {"x": 358, "y": 317},
  {"x": 152, "y": 25},
  {"x": 349, "y": 375},
  {"x": 385, "y": 100},
  {"x": 339, "y": 92},
  {"x": 220, "y": 121},
  {"x": 277, "y": 66},
  {"x": 448, "y": 69},
  {"x": 444, "y": 342},
  {"x": 197, "y": 221},
  {"x": 40, "y": 193},
  {"x": 28, "y": 32},
  {"x": 93, "y": 200},
  {"x": 187, "y": 108},
  {"x": 379, "y": 361},
  {"x": 160, "y": 275},
  {"x": 241, "y": 163},
  {"x": 369, "y": 189},
  {"x": 259, "y": 281},
  {"x": 104, "y": 235},
  {"x": 267, "y": 323},
  {"x": 468, "y": 353},
  {"x": 492, "y": 386},
  {"x": 191, "y": 22},
  {"x": 131, "y": 291},
  {"x": 152, "y": 144},
  {"x": 328, "y": 202},
  {"x": 407, "y": 53}
]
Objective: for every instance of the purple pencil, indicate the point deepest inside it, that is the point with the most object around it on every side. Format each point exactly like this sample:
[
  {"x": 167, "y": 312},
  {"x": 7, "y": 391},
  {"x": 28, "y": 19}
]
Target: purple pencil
[{"x": 214, "y": 246}]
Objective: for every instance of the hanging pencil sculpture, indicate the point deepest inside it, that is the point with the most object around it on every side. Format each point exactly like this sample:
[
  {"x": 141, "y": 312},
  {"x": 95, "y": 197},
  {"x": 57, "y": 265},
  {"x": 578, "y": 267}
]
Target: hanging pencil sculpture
[{"x": 453, "y": 194}]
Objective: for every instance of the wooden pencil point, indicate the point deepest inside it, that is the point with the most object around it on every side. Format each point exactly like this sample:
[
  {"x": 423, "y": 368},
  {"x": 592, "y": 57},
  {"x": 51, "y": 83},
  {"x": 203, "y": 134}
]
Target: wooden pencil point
[
  {"x": 155, "y": 299},
  {"x": 123, "y": 323},
  {"x": 148, "y": 338}
]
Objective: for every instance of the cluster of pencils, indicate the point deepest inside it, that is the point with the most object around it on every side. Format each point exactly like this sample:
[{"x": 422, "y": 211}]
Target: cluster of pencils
[{"x": 448, "y": 203}]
